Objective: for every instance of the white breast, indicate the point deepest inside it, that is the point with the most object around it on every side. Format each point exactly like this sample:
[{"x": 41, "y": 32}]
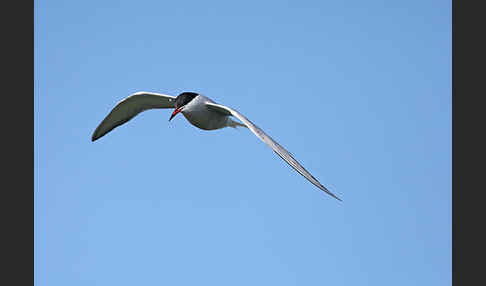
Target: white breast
[{"x": 200, "y": 116}]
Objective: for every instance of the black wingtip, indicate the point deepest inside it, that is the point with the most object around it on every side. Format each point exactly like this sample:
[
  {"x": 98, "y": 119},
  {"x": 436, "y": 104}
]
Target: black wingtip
[
  {"x": 329, "y": 193},
  {"x": 334, "y": 196},
  {"x": 97, "y": 135}
]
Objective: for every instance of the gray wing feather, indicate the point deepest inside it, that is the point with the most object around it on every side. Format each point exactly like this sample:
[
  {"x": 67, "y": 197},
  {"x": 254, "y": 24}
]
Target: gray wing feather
[
  {"x": 277, "y": 148},
  {"x": 129, "y": 107}
]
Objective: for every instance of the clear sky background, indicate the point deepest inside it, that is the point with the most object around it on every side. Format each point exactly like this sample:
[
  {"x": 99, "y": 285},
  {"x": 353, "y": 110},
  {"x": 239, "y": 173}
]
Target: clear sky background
[{"x": 358, "y": 91}]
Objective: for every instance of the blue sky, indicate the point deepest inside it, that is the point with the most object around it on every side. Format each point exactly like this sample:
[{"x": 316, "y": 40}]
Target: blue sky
[{"x": 358, "y": 91}]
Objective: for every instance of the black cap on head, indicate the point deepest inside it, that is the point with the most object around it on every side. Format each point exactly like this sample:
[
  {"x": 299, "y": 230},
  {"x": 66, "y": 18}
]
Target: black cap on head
[{"x": 184, "y": 98}]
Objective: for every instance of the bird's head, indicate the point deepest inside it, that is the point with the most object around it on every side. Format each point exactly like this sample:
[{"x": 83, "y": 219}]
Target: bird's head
[{"x": 181, "y": 101}]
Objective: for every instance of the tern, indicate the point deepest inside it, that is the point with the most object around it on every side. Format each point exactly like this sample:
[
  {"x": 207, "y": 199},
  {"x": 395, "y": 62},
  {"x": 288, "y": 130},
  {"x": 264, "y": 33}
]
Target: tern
[{"x": 201, "y": 112}]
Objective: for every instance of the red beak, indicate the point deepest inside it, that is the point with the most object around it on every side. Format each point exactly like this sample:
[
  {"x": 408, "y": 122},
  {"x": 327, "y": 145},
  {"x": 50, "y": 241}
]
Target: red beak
[{"x": 177, "y": 110}]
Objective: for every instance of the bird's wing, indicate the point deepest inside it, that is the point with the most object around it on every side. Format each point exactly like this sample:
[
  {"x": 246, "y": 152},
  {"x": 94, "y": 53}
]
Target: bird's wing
[
  {"x": 127, "y": 108},
  {"x": 277, "y": 148}
]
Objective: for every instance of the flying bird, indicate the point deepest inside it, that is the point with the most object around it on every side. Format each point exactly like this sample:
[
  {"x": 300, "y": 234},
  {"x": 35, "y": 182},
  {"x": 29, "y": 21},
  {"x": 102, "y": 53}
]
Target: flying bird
[{"x": 201, "y": 112}]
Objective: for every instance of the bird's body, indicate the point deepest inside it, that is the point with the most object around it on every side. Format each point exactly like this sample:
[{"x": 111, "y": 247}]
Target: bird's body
[
  {"x": 199, "y": 115},
  {"x": 201, "y": 112}
]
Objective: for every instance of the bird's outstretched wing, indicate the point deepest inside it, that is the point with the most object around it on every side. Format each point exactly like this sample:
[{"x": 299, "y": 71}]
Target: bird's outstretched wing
[
  {"x": 129, "y": 107},
  {"x": 277, "y": 148}
]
